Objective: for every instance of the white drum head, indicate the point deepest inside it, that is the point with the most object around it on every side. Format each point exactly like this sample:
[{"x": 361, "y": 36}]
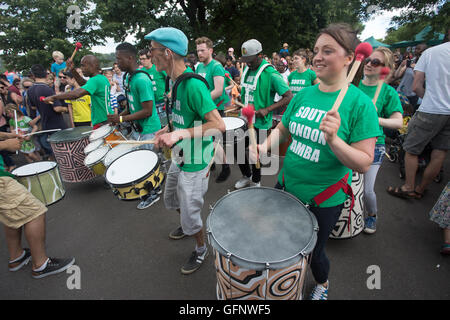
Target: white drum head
[
  {"x": 101, "y": 132},
  {"x": 131, "y": 167},
  {"x": 95, "y": 156},
  {"x": 116, "y": 152},
  {"x": 93, "y": 145},
  {"x": 33, "y": 168},
  {"x": 233, "y": 123}
]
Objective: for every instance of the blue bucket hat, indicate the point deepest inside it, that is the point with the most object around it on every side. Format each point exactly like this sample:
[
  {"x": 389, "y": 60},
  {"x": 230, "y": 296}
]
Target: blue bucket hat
[{"x": 171, "y": 38}]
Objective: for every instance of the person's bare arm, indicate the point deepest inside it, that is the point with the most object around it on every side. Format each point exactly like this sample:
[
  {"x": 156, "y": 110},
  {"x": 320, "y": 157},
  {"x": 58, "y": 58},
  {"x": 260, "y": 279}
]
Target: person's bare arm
[{"x": 418, "y": 84}]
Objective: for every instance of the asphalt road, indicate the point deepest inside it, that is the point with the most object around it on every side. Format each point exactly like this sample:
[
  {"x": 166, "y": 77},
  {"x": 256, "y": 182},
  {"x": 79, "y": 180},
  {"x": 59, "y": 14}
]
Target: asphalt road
[{"x": 125, "y": 253}]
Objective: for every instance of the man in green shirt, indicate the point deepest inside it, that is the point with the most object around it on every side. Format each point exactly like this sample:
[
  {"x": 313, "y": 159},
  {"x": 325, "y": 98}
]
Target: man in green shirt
[
  {"x": 141, "y": 106},
  {"x": 97, "y": 87},
  {"x": 195, "y": 119},
  {"x": 158, "y": 80},
  {"x": 260, "y": 82}
]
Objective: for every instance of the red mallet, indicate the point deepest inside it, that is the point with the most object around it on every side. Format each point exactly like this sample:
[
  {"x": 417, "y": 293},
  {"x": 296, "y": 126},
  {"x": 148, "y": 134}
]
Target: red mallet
[
  {"x": 362, "y": 51},
  {"x": 229, "y": 77},
  {"x": 42, "y": 100},
  {"x": 383, "y": 74},
  {"x": 249, "y": 113},
  {"x": 78, "y": 46}
]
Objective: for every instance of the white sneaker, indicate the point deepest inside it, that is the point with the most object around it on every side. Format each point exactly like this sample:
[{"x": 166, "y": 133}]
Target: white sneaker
[
  {"x": 255, "y": 184},
  {"x": 242, "y": 183},
  {"x": 320, "y": 292}
]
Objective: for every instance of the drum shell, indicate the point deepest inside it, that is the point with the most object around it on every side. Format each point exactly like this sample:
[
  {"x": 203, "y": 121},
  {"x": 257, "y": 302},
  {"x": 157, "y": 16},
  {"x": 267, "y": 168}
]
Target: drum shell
[
  {"x": 46, "y": 186},
  {"x": 348, "y": 228},
  {"x": 98, "y": 167},
  {"x": 68, "y": 146}
]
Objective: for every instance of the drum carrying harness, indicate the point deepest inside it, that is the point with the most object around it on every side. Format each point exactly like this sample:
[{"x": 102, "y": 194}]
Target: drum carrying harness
[{"x": 252, "y": 87}]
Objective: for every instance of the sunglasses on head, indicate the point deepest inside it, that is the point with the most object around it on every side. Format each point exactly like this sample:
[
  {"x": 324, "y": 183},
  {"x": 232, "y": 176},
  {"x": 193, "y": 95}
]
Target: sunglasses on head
[{"x": 375, "y": 62}]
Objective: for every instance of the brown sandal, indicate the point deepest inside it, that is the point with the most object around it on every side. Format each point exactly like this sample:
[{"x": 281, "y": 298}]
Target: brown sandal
[{"x": 399, "y": 193}]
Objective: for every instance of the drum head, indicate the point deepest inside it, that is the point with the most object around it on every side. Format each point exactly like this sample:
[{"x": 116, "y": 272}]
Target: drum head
[
  {"x": 93, "y": 145},
  {"x": 101, "y": 132},
  {"x": 33, "y": 168},
  {"x": 131, "y": 167},
  {"x": 232, "y": 123},
  {"x": 69, "y": 135},
  {"x": 260, "y": 226},
  {"x": 96, "y": 156},
  {"x": 116, "y": 152}
]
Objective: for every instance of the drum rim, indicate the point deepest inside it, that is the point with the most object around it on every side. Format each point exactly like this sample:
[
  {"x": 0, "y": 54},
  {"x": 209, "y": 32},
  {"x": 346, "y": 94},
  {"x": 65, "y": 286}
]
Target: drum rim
[
  {"x": 92, "y": 142},
  {"x": 112, "y": 149},
  {"x": 33, "y": 174},
  {"x": 104, "y": 136},
  {"x": 261, "y": 265},
  {"x": 129, "y": 184},
  {"x": 81, "y": 137},
  {"x": 98, "y": 161}
]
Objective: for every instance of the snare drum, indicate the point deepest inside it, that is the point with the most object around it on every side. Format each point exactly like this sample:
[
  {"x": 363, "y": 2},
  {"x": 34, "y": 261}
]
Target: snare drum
[
  {"x": 68, "y": 146},
  {"x": 107, "y": 133},
  {"x": 94, "y": 145},
  {"x": 42, "y": 179},
  {"x": 117, "y": 152},
  {"x": 234, "y": 130},
  {"x": 262, "y": 239},
  {"x": 94, "y": 160},
  {"x": 351, "y": 224},
  {"x": 134, "y": 174}
]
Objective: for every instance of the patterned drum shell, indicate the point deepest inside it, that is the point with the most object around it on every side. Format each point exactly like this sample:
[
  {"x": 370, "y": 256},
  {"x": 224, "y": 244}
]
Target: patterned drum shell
[
  {"x": 42, "y": 179},
  {"x": 351, "y": 224},
  {"x": 68, "y": 146},
  {"x": 262, "y": 238}
]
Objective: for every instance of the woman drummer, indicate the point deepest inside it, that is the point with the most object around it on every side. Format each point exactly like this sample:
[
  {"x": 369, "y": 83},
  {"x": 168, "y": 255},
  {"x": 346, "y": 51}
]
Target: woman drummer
[
  {"x": 389, "y": 109},
  {"x": 326, "y": 144}
]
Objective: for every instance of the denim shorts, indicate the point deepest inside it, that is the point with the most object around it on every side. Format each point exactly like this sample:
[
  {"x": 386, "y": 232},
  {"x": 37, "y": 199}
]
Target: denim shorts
[
  {"x": 140, "y": 137},
  {"x": 379, "y": 154}
]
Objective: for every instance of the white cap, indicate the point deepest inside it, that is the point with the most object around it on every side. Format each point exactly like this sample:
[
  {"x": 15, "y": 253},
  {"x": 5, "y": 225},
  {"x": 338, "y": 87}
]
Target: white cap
[{"x": 250, "y": 48}]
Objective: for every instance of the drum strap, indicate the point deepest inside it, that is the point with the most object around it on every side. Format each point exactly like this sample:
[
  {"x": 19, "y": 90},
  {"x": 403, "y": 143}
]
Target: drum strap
[{"x": 331, "y": 190}]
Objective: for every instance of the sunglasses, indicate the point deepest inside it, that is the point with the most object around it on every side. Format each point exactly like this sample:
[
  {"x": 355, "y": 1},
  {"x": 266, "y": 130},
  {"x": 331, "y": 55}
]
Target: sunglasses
[
  {"x": 375, "y": 62},
  {"x": 26, "y": 88}
]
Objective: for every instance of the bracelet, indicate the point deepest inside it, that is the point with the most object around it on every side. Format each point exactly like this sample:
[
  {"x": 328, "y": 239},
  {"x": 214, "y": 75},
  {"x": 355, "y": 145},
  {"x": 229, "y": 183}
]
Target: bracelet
[{"x": 121, "y": 120}]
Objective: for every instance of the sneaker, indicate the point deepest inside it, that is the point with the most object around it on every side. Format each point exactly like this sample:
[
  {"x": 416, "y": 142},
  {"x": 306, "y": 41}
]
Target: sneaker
[
  {"x": 370, "y": 225},
  {"x": 224, "y": 174},
  {"x": 19, "y": 263},
  {"x": 255, "y": 184},
  {"x": 320, "y": 292},
  {"x": 54, "y": 266},
  {"x": 194, "y": 262},
  {"x": 148, "y": 201},
  {"x": 177, "y": 234},
  {"x": 242, "y": 183}
]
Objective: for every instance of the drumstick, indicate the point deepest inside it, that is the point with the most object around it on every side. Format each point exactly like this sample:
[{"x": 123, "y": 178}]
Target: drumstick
[
  {"x": 240, "y": 105},
  {"x": 131, "y": 142},
  {"x": 39, "y": 132},
  {"x": 384, "y": 72},
  {"x": 77, "y": 46},
  {"x": 362, "y": 51},
  {"x": 42, "y": 100},
  {"x": 212, "y": 160},
  {"x": 17, "y": 128},
  {"x": 228, "y": 76},
  {"x": 249, "y": 113}
]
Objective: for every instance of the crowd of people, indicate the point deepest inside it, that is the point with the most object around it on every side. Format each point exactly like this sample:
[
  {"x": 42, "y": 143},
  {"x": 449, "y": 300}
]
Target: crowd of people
[{"x": 292, "y": 95}]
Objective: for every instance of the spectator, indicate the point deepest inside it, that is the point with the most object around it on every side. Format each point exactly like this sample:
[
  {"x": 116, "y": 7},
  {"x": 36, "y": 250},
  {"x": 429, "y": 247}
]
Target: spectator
[
  {"x": 441, "y": 215},
  {"x": 25, "y": 84},
  {"x": 406, "y": 73},
  {"x": 14, "y": 94},
  {"x": 193, "y": 61},
  {"x": 230, "y": 67},
  {"x": 230, "y": 54},
  {"x": 9, "y": 163},
  {"x": 284, "y": 52},
  {"x": 116, "y": 89},
  {"x": 118, "y": 76},
  {"x": 431, "y": 123},
  {"x": 59, "y": 64},
  {"x": 80, "y": 108}
]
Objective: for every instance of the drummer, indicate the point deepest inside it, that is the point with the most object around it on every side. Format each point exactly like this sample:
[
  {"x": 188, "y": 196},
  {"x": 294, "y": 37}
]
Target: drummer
[
  {"x": 97, "y": 87},
  {"x": 214, "y": 73},
  {"x": 195, "y": 116},
  {"x": 21, "y": 211},
  {"x": 326, "y": 145},
  {"x": 260, "y": 91},
  {"x": 141, "y": 109}
]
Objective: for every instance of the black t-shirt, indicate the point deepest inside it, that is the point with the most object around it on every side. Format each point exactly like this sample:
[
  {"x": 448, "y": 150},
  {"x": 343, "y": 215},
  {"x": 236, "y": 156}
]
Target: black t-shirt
[
  {"x": 233, "y": 71},
  {"x": 49, "y": 118}
]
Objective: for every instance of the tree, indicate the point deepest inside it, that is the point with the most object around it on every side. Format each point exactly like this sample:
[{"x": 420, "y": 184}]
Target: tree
[{"x": 32, "y": 29}]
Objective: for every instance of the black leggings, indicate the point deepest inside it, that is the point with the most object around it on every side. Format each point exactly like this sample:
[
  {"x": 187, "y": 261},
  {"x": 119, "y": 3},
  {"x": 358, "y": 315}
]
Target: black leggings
[
  {"x": 245, "y": 167},
  {"x": 327, "y": 219}
]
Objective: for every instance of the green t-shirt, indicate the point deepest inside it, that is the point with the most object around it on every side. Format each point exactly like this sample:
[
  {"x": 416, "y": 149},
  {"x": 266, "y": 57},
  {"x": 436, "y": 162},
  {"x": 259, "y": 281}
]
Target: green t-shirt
[
  {"x": 310, "y": 165},
  {"x": 193, "y": 102},
  {"x": 159, "y": 82},
  {"x": 298, "y": 81},
  {"x": 388, "y": 102},
  {"x": 3, "y": 172},
  {"x": 269, "y": 83},
  {"x": 141, "y": 90},
  {"x": 214, "y": 69},
  {"x": 99, "y": 90}
]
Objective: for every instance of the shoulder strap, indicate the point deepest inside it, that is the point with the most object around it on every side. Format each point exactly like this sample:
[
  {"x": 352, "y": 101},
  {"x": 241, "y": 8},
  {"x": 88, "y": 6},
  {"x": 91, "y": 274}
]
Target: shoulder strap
[{"x": 255, "y": 81}]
